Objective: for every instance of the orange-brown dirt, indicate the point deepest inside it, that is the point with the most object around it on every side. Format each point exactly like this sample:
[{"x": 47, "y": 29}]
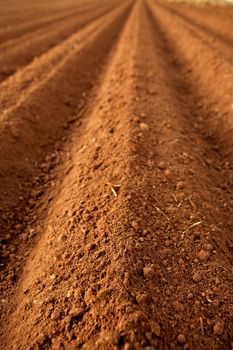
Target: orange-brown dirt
[{"x": 116, "y": 175}]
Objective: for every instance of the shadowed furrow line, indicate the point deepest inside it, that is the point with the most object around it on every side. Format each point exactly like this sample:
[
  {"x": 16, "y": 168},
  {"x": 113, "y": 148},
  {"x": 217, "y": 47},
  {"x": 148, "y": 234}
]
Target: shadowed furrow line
[
  {"x": 207, "y": 70},
  {"x": 187, "y": 206},
  {"x": 15, "y": 31},
  {"x": 18, "y": 88},
  {"x": 204, "y": 119},
  {"x": 42, "y": 116},
  {"x": 44, "y": 22},
  {"x": 219, "y": 40},
  {"x": 132, "y": 226},
  {"x": 20, "y": 21},
  {"x": 89, "y": 162},
  {"x": 22, "y": 25},
  {"x": 23, "y": 50}
]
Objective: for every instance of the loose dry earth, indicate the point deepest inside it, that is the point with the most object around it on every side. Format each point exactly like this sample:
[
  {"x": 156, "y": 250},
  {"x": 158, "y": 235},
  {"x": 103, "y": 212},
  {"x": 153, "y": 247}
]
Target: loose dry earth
[{"x": 116, "y": 175}]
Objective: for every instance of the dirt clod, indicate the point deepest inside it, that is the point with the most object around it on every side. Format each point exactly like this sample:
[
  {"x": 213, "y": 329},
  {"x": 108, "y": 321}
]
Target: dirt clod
[
  {"x": 180, "y": 185},
  {"x": 156, "y": 329},
  {"x": 148, "y": 272},
  {"x": 203, "y": 255},
  {"x": 197, "y": 277},
  {"x": 181, "y": 338},
  {"x": 142, "y": 298},
  {"x": 219, "y": 328},
  {"x": 144, "y": 126}
]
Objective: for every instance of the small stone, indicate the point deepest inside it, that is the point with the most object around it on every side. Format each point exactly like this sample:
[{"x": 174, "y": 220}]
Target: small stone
[
  {"x": 136, "y": 119},
  {"x": 219, "y": 328},
  {"x": 148, "y": 272},
  {"x": 203, "y": 255},
  {"x": 142, "y": 298},
  {"x": 63, "y": 237},
  {"x": 181, "y": 261},
  {"x": 181, "y": 339},
  {"x": 180, "y": 185},
  {"x": 148, "y": 335},
  {"x": 77, "y": 312},
  {"x": 41, "y": 338},
  {"x": 24, "y": 236},
  {"x": 167, "y": 172},
  {"x": 134, "y": 224},
  {"x": 31, "y": 233},
  {"x": 165, "y": 252},
  {"x": 144, "y": 126},
  {"x": 86, "y": 217},
  {"x": 55, "y": 315},
  {"x": 19, "y": 228},
  {"x": 215, "y": 303},
  {"x": 88, "y": 296},
  {"x": 209, "y": 247},
  {"x": 208, "y": 161},
  {"x": 69, "y": 293},
  {"x": 190, "y": 296},
  {"x": 196, "y": 277},
  {"x": 161, "y": 165},
  {"x": 163, "y": 280},
  {"x": 155, "y": 327},
  {"x": 180, "y": 196}
]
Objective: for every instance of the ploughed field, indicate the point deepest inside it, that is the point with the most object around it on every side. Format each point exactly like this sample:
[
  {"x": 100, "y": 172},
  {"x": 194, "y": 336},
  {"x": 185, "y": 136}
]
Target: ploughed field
[{"x": 116, "y": 175}]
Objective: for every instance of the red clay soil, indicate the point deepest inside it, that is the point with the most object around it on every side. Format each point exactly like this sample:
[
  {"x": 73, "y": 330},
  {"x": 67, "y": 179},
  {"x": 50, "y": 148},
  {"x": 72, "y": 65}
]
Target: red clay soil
[
  {"x": 116, "y": 176},
  {"x": 23, "y": 43}
]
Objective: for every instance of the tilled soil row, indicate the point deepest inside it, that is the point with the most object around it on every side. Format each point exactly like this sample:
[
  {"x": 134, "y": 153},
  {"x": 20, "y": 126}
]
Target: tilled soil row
[
  {"x": 202, "y": 79},
  {"x": 21, "y": 25},
  {"x": 19, "y": 52},
  {"x": 39, "y": 338},
  {"x": 211, "y": 110},
  {"x": 212, "y": 30},
  {"x": 18, "y": 89},
  {"x": 20, "y": 14},
  {"x": 14, "y": 33},
  {"x": 127, "y": 245},
  {"x": 38, "y": 135},
  {"x": 42, "y": 99}
]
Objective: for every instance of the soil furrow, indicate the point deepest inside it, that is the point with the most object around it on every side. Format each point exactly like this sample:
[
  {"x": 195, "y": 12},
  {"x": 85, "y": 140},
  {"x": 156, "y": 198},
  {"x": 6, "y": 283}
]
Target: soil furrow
[
  {"x": 23, "y": 50},
  {"x": 199, "y": 113},
  {"x": 198, "y": 59},
  {"x": 13, "y": 31},
  {"x": 89, "y": 141},
  {"x": 208, "y": 34},
  {"x": 32, "y": 128},
  {"x": 14, "y": 34},
  {"x": 177, "y": 214},
  {"x": 215, "y": 25},
  {"x": 120, "y": 236},
  {"x": 22, "y": 16},
  {"x": 211, "y": 19},
  {"x": 19, "y": 87}
]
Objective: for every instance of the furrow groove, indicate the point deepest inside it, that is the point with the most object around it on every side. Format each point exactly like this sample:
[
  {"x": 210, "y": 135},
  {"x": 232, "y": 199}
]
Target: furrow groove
[{"x": 116, "y": 179}]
